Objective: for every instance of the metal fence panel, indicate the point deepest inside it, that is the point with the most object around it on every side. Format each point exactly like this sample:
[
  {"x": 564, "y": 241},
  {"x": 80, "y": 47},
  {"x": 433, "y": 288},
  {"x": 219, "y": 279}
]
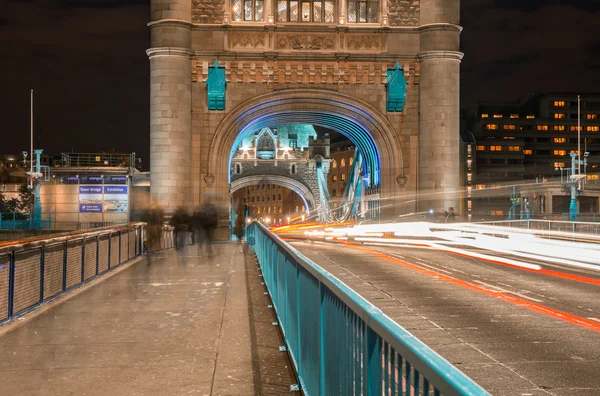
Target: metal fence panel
[
  {"x": 103, "y": 253},
  {"x": 54, "y": 256},
  {"x": 27, "y": 279},
  {"x": 41, "y": 268},
  {"x": 4, "y": 282},
  {"x": 131, "y": 243},
  {"x": 89, "y": 263},
  {"x": 124, "y": 246},
  {"x": 114, "y": 249},
  {"x": 74, "y": 253},
  {"x": 340, "y": 343}
]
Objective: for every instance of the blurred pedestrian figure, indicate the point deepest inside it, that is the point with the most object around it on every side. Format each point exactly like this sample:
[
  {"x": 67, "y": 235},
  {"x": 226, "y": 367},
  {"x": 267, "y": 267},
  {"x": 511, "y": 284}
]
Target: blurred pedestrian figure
[
  {"x": 153, "y": 216},
  {"x": 450, "y": 215},
  {"x": 205, "y": 220},
  {"x": 180, "y": 221},
  {"x": 239, "y": 227}
]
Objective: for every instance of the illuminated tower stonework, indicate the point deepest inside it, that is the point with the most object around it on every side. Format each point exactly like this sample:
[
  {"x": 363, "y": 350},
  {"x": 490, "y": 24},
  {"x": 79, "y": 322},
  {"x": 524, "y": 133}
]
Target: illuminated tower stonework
[{"x": 320, "y": 62}]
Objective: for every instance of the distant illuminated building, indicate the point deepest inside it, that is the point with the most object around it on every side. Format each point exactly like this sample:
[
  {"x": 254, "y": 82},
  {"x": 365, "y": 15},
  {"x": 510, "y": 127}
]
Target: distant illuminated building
[{"x": 529, "y": 142}]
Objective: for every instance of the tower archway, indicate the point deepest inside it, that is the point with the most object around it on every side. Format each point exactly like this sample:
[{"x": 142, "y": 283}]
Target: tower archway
[
  {"x": 310, "y": 202},
  {"x": 365, "y": 126}
]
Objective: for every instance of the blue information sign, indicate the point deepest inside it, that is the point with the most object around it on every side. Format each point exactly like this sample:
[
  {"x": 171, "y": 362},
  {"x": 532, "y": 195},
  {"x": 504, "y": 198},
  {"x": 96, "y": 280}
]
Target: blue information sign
[
  {"x": 115, "y": 189},
  {"x": 90, "y": 208}
]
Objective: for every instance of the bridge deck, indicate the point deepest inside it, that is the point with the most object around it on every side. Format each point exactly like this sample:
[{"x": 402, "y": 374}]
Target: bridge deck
[
  {"x": 514, "y": 332},
  {"x": 172, "y": 323}
]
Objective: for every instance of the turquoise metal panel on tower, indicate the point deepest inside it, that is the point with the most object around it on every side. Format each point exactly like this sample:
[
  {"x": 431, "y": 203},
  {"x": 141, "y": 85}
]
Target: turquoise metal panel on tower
[
  {"x": 396, "y": 89},
  {"x": 216, "y": 87}
]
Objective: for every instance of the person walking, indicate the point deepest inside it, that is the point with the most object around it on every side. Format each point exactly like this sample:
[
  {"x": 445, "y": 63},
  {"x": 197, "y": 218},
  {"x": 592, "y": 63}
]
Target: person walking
[
  {"x": 180, "y": 221},
  {"x": 239, "y": 228},
  {"x": 205, "y": 220},
  {"x": 450, "y": 215}
]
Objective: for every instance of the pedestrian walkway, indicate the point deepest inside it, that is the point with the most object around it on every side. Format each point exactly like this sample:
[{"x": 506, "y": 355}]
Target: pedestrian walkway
[{"x": 172, "y": 323}]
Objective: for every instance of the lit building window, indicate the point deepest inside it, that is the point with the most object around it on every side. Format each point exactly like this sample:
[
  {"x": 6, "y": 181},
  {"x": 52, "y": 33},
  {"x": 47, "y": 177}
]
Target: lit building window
[
  {"x": 342, "y": 163},
  {"x": 514, "y": 116},
  {"x": 497, "y": 213},
  {"x": 514, "y": 148},
  {"x": 592, "y": 177},
  {"x": 560, "y": 140},
  {"x": 509, "y": 127},
  {"x": 334, "y": 178},
  {"x": 559, "y": 103},
  {"x": 542, "y": 127},
  {"x": 305, "y": 11},
  {"x": 560, "y": 152},
  {"x": 560, "y": 116},
  {"x": 495, "y": 148},
  {"x": 491, "y": 126},
  {"x": 480, "y": 148},
  {"x": 530, "y": 116},
  {"x": 343, "y": 177},
  {"x": 593, "y": 128},
  {"x": 480, "y": 186},
  {"x": 574, "y": 128},
  {"x": 559, "y": 164},
  {"x": 497, "y": 115},
  {"x": 591, "y": 116},
  {"x": 363, "y": 11},
  {"x": 334, "y": 164},
  {"x": 469, "y": 177},
  {"x": 558, "y": 127},
  {"x": 351, "y": 161},
  {"x": 485, "y": 115},
  {"x": 248, "y": 10},
  {"x": 469, "y": 204},
  {"x": 97, "y": 158}
]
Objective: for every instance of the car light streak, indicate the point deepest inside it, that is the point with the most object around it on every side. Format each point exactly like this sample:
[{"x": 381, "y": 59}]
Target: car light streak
[{"x": 521, "y": 302}]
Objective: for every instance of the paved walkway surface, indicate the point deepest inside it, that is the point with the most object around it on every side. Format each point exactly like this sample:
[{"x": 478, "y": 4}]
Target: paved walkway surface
[{"x": 172, "y": 323}]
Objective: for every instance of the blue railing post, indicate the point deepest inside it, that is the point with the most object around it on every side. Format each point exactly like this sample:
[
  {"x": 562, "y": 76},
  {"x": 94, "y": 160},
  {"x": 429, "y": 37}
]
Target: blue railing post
[
  {"x": 82, "y": 260},
  {"x": 109, "y": 248},
  {"x": 97, "y": 253},
  {"x": 42, "y": 271},
  {"x": 322, "y": 343},
  {"x": 11, "y": 285},
  {"x": 120, "y": 236},
  {"x": 373, "y": 354},
  {"x": 64, "y": 279}
]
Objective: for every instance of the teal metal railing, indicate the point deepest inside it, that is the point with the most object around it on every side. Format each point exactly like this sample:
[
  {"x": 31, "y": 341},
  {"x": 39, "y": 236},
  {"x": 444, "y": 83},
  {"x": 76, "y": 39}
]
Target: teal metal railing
[
  {"x": 16, "y": 221},
  {"x": 341, "y": 344}
]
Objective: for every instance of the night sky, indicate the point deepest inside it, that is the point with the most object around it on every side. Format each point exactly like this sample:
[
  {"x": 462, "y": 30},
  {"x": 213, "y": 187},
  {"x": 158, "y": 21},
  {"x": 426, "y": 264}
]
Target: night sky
[{"x": 86, "y": 61}]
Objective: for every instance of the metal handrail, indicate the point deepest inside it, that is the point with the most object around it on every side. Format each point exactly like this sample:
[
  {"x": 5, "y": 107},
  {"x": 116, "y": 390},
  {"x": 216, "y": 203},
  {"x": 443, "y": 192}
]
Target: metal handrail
[
  {"x": 36, "y": 270},
  {"x": 580, "y": 227},
  {"x": 339, "y": 342}
]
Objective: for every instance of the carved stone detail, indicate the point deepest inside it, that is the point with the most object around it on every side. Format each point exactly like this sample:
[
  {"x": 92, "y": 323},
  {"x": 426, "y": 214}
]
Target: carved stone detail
[
  {"x": 208, "y": 11},
  {"x": 404, "y": 12},
  {"x": 209, "y": 180},
  {"x": 305, "y": 42},
  {"x": 363, "y": 42},
  {"x": 401, "y": 180},
  {"x": 241, "y": 40},
  {"x": 285, "y": 72}
]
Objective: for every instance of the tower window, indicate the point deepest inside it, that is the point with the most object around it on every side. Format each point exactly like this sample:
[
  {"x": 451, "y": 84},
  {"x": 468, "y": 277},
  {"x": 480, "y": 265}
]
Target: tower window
[
  {"x": 363, "y": 11},
  {"x": 305, "y": 11},
  {"x": 248, "y": 10}
]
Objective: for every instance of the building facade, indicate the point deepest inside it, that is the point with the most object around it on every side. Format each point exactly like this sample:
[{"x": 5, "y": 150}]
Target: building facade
[
  {"x": 529, "y": 143},
  {"x": 220, "y": 68}
]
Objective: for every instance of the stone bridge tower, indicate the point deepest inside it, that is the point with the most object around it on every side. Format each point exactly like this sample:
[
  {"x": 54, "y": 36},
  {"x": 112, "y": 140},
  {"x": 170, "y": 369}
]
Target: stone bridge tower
[{"x": 321, "y": 62}]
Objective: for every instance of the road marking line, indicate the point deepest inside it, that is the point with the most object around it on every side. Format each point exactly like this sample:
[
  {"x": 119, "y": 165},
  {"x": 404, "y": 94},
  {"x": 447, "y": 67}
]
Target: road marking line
[
  {"x": 508, "y": 291},
  {"x": 595, "y": 319},
  {"x": 523, "y": 303}
]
